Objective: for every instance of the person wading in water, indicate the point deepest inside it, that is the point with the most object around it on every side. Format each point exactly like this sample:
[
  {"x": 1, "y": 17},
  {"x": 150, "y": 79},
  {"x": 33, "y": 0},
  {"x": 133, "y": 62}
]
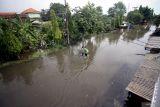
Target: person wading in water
[{"x": 84, "y": 51}]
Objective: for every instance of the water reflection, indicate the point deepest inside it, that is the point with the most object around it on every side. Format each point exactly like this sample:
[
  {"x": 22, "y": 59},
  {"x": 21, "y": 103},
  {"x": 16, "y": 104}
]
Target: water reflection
[
  {"x": 114, "y": 37},
  {"x": 60, "y": 61},
  {"x": 18, "y": 73},
  {"x": 132, "y": 35}
]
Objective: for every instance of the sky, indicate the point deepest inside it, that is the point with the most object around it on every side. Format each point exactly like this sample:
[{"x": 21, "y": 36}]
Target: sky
[{"x": 20, "y": 5}]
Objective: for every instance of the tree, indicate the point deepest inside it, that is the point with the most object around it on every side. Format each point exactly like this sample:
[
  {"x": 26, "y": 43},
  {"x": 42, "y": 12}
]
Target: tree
[
  {"x": 117, "y": 13},
  {"x": 56, "y": 33},
  {"x": 106, "y": 23},
  {"x": 157, "y": 20},
  {"x": 63, "y": 17},
  {"x": 59, "y": 10},
  {"x": 111, "y": 12},
  {"x": 45, "y": 14},
  {"x": 10, "y": 45},
  {"x": 89, "y": 19},
  {"x": 134, "y": 17},
  {"x": 120, "y": 8},
  {"x": 146, "y": 12},
  {"x": 25, "y": 32}
]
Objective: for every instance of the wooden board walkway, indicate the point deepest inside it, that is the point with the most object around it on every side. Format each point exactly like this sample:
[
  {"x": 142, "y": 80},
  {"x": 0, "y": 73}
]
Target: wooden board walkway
[
  {"x": 153, "y": 43},
  {"x": 146, "y": 76}
]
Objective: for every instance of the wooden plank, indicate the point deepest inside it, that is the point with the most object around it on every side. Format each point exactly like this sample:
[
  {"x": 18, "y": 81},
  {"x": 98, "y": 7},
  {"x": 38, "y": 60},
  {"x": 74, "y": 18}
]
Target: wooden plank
[
  {"x": 151, "y": 64},
  {"x": 151, "y": 56},
  {"x": 140, "y": 90},
  {"x": 145, "y": 77},
  {"x": 153, "y": 42},
  {"x": 154, "y": 38},
  {"x": 153, "y": 46},
  {"x": 148, "y": 74}
]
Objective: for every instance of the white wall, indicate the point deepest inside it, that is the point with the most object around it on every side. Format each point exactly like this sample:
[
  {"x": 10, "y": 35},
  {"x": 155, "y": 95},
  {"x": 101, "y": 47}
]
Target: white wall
[{"x": 31, "y": 15}]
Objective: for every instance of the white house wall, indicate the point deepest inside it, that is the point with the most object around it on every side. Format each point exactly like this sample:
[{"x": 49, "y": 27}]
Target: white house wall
[{"x": 34, "y": 16}]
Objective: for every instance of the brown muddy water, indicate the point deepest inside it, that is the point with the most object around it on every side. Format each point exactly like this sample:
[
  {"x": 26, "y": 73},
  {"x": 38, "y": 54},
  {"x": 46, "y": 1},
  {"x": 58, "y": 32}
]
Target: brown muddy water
[{"x": 66, "y": 79}]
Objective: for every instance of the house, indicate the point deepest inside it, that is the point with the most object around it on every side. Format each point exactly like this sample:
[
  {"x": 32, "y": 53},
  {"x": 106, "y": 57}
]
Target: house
[
  {"x": 124, "y": 24},
  {"x": 12, "y": 15},
  {"x": 29, "y": 13},
  {"x": 33, "y": 15},
  {"x": 8, "y": 15}
]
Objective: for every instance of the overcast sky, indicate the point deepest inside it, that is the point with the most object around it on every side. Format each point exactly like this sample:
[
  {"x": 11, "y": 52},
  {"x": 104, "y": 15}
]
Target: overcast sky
[{"x": 20, "y": 5}]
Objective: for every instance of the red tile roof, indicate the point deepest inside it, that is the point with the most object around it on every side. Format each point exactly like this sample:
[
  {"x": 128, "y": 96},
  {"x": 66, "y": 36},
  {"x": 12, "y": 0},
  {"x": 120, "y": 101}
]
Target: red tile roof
[
  {"x": 7, "y": 13},
  {"x": 30, "y": 10}
]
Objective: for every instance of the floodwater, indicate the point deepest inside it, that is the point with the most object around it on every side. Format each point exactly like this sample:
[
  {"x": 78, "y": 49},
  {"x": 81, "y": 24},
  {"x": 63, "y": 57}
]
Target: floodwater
[{"x": 67, "y": 79}]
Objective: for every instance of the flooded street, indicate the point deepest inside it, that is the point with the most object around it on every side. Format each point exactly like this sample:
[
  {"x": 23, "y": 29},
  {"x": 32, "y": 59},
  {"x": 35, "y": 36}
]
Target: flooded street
[{"x": 67, "y": 79}]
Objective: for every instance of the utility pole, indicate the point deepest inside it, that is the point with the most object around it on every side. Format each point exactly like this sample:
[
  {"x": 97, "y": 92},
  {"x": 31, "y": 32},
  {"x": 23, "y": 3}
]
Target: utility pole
[{"x": 66, "y": 22}]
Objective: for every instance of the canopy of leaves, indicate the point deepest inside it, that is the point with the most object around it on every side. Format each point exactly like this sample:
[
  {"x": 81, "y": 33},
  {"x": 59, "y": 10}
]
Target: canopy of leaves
[
  {"x": 118, "y": 9},
  {"x": 157, "y": 20},
  {"x": 10, "y": 45},
  {"x": 58, "y": 8},
  {"x": 89, "y": 19},
  {"x": 56, "y": 33},
  {"x": 134, "y": 17},
  {"x": 20, "y": 36},
  {"x": 45, "y": 14},
  {"x": 116, "y": 13},
  {"x": 146, "y": 12}
]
